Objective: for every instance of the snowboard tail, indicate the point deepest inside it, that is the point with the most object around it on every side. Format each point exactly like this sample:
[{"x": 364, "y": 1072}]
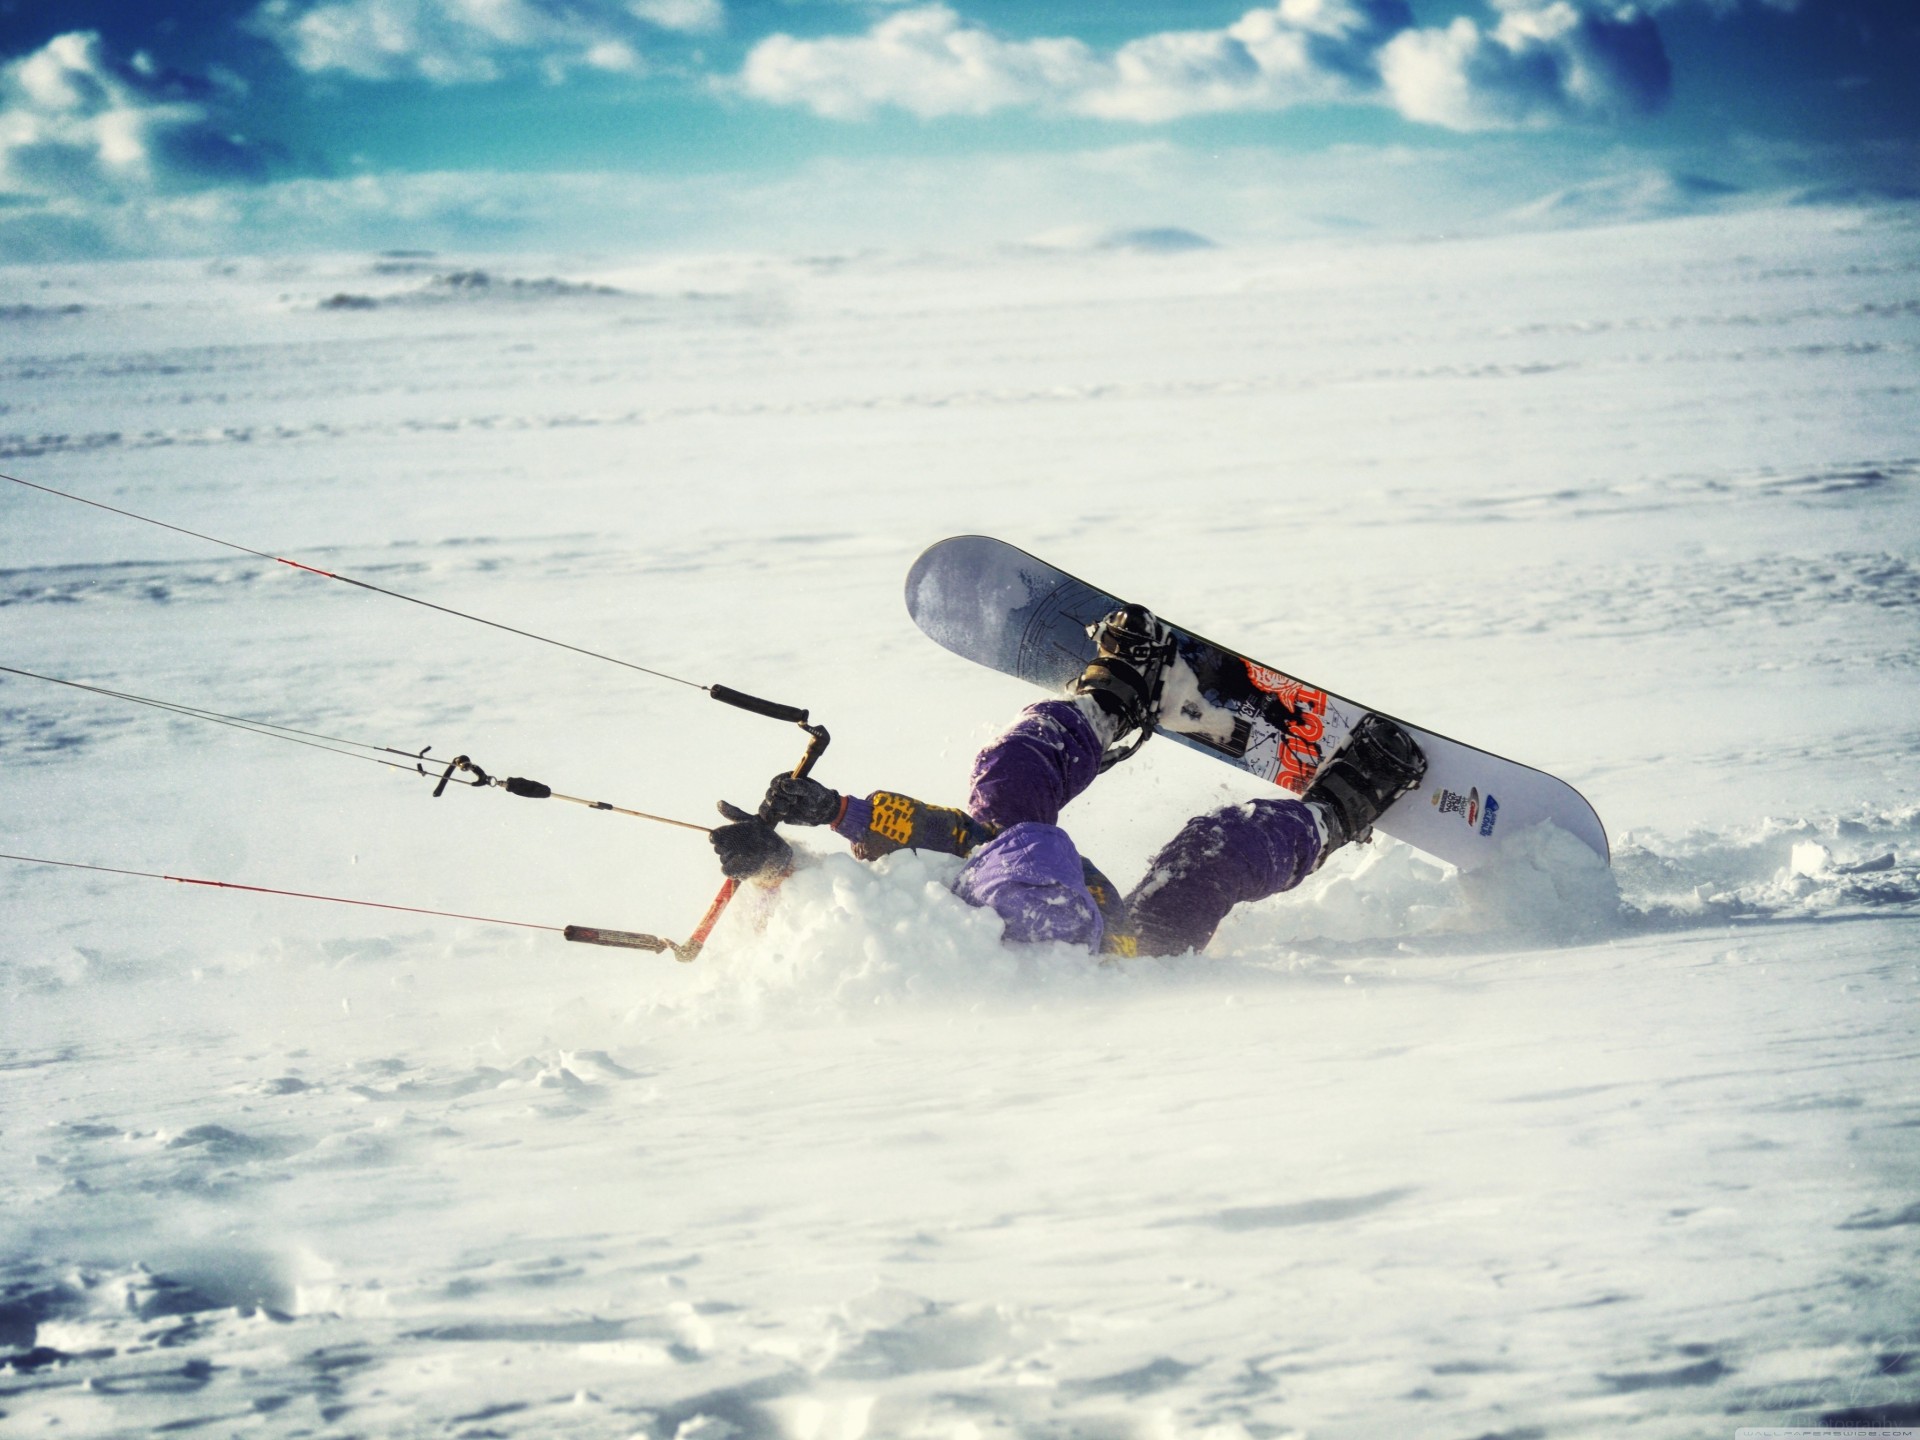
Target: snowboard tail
[{"x": 1003, "y": 608}]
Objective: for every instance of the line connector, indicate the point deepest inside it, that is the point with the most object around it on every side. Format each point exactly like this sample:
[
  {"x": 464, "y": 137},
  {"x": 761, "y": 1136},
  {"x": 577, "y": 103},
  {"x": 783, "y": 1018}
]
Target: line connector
[{"x": 464, "y": 765}]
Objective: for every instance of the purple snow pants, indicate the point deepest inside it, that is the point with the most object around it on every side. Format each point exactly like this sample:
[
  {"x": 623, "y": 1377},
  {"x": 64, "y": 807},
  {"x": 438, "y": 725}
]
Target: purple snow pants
[{"x": 1031, "y": 874}]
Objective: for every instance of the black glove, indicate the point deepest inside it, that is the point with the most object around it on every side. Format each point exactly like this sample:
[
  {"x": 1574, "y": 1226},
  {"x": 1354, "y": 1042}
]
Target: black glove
[
  {"x": 799, "y": 802},
  {"x": 748, "y": 847}
]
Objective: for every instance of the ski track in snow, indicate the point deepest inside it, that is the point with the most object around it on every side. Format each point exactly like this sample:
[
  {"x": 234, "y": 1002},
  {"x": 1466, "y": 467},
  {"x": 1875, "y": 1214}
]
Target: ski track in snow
[{"x": 1545, "y": 1150}]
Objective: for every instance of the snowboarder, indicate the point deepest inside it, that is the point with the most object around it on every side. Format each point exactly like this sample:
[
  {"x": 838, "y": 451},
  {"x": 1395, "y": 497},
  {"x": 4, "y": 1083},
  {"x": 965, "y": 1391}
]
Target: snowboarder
[{"x": 1022, "y": 865}]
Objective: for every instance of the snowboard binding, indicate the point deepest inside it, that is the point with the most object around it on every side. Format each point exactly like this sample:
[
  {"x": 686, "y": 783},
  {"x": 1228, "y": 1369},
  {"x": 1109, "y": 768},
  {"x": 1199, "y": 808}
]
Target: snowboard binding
[
  {"x": 1378, "y": 764},
  {"x": 1133, "y": 649}
]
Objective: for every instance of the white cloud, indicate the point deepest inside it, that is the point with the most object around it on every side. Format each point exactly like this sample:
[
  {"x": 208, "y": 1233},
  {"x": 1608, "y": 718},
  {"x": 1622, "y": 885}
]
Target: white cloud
[
  {"x": 926, "y": 61},
  {"x": 75, "y": 120},
  {"x": 691, "y": 16},
  {"x": 1543, "y": 60},
  {"x": 1719, "y": 7},
  {"x": 1297, "y": 52},
  {"x": 452, "y": 42},
  {"x": 1538, "y": 65}
]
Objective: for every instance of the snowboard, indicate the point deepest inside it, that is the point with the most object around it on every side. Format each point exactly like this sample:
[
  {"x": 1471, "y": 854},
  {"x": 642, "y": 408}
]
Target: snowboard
[{"x": 1003, "y": 608}]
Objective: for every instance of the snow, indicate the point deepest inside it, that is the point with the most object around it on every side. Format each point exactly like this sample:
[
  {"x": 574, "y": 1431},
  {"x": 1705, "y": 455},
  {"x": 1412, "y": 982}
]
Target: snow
[{"x": 1547, "y": 1149}]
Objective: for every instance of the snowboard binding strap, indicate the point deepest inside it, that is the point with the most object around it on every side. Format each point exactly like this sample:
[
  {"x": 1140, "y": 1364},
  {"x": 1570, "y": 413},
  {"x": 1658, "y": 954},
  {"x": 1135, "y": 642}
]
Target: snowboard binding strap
[{"x": 1128, "y": 675}]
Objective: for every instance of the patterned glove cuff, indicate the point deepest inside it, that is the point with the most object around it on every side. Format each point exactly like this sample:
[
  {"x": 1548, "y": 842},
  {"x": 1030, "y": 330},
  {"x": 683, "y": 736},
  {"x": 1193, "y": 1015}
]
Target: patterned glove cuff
[{"x": 854, "y": 819}]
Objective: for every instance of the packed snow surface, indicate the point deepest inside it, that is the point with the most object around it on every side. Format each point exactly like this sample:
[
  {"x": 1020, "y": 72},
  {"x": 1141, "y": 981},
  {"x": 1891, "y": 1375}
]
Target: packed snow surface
[{"x": 1549, "y": 1149}]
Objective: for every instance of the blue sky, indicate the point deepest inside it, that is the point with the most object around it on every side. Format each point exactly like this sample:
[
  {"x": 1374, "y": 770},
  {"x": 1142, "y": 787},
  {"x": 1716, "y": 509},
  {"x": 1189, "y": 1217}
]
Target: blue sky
[{"x": 287, "y": 124}]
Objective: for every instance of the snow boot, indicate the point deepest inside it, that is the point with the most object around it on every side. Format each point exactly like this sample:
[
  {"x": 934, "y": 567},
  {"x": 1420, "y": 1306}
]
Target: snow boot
[
  {"x": 1132, "y": 651},
  {"x": 1378, "y": 764}
]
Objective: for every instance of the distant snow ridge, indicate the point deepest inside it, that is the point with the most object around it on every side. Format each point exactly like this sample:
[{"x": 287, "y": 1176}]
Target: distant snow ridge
[
  {"x": 1648, "y": 195},
  {"x": 39, "y": 312},
  {"x": 1144, "y": 240},
  {"x": 1157, "y": 240},
  {"x": 472, "y": 285}
]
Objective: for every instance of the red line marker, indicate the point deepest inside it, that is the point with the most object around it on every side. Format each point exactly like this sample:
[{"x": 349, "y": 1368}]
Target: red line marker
[{"x": 310, "y": 569}]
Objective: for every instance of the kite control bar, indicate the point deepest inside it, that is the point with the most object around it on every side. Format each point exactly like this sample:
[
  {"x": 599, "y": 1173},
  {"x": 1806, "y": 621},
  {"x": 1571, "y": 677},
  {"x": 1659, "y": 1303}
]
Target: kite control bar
[
  {"x": 772, "y": 709},
  {"x": 818, "y": 740}
]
